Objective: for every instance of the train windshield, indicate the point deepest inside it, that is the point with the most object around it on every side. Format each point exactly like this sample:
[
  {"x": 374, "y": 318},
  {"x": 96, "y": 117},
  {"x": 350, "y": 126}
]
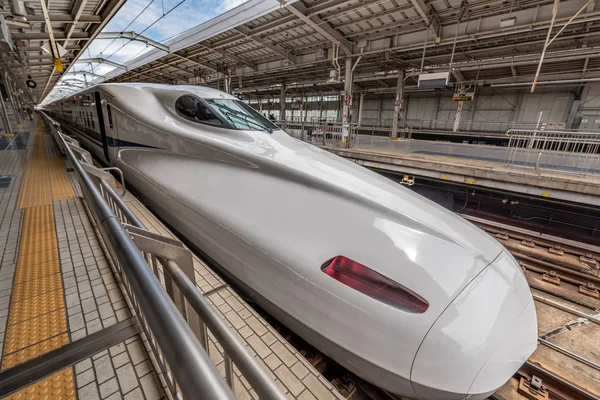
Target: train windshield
[{"x": 240, "y": 115}]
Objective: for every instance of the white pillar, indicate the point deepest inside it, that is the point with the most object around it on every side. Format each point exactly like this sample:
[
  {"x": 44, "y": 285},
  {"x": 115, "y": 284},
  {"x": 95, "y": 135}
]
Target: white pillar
[
  {"x": 282, "y": 103},
  {"x": 347, "y": 101},
  {"x": 457, "y": 117},
  {"x": 4, "y": 116},
  {"x": 361, "y": 107},
  {"x": 398, "y": 103},
  {"x": 321, "y": 105},
  {"x": 11, "y": 97}
]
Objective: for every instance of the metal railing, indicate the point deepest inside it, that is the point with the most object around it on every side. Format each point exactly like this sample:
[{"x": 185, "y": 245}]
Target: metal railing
[
  {"x": 172, "y": 312},
  {"x": 565, "y": 151},
  {"x": 321, "y": 133}
]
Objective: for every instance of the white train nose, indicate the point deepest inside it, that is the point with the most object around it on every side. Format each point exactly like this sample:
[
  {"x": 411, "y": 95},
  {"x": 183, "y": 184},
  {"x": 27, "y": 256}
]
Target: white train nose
[{"x": 486, "y": 333}]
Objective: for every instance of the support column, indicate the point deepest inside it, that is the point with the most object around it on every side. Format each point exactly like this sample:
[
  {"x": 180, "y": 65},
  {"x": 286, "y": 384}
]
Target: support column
[
  {"x": 398, "y": 103},
  {"x": 13, "y": 102},
  {"x": 304, "y": 108},
  {"x": 457, "y": 117},
  {"x": 5, "y": 121},
  {"x": 380, "y": 108},
  {"x": 282, "y": 103},
  {"x": 361, "y": 107},
  {"x": 347, "y": 100},
  {"x": 321, "y": 108}
]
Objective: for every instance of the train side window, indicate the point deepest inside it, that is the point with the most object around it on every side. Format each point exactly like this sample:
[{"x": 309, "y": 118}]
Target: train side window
[
  {"x": 109, "y": 112},
  {"x": 190, "y": 107}
]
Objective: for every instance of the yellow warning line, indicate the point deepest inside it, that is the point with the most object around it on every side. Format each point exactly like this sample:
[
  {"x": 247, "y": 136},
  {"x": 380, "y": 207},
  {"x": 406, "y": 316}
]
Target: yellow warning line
[
  {"x": 37, "y": 319},
  {"x": 45, "y": 179}
]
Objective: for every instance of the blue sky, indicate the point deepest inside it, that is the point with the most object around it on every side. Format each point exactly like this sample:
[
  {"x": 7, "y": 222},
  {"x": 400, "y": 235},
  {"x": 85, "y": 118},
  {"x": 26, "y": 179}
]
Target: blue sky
[{"x": 137, "y": 15}]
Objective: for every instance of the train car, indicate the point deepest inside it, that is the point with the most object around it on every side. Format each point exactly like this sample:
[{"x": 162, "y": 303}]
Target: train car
[{"x": 396, "y": 289}]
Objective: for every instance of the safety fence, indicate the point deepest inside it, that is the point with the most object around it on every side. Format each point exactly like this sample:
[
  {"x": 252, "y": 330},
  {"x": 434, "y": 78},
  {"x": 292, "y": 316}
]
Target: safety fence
[
  {"x": 383, "y": 127},
  {"x": 158, "y": 279},
  {"x": 321, "y": 133},
  {"x": 565, "y": 151}
]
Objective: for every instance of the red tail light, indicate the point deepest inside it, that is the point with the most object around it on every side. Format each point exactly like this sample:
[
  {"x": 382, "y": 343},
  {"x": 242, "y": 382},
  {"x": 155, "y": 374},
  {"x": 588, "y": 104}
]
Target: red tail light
[{"x": 374, "y": 285}]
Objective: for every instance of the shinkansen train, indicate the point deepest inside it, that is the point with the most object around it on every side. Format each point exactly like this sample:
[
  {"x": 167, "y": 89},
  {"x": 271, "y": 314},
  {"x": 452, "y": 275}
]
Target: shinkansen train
[{"x": 396, "y": 289}]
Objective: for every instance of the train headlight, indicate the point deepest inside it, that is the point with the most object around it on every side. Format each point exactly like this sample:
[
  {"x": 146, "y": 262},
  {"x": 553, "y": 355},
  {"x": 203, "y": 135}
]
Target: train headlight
[{"x": 373, "y": 284}]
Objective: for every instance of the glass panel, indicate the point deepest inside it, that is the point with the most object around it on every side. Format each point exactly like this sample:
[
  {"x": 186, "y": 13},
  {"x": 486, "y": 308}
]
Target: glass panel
[
  {"x": 240, "y": 115},
  {"x": 192, "y": 108}
]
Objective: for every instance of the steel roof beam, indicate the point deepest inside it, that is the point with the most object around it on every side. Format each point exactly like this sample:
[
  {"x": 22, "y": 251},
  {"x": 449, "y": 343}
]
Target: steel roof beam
[
  {"x": 426, "y": 13},
  {"x": 286, "y": 54},
  {"x": 225, "y": 54},
  {"x": 65, "y": 18},
  {"x": 100, "y": 60},
  {"x": 276, "y": 23},
  {"x": 76, "y": 12},
  {"x": 29, "y": 49},
  {"x": 149, "y": 72},
  {"x": 41, "y": 36},
  {"x": 458, "y": 75},
  {"x": 85, "y": 73},
  {"x": 133, "y": 36},
  {"x": 187, "y": 58},
  {"x": 317, "y": 24}
]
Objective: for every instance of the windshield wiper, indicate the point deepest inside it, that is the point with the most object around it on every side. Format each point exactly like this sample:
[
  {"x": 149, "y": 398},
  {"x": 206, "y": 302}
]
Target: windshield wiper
[{"x": 229, "y": 111}]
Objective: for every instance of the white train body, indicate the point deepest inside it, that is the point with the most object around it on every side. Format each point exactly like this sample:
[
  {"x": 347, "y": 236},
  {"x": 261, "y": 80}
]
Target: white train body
[{"x": 431, "y": 307}]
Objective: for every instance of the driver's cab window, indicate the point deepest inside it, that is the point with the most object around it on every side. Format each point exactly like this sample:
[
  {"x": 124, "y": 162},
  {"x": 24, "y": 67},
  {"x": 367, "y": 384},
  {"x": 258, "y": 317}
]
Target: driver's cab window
[{"x": 192, "y": 108}]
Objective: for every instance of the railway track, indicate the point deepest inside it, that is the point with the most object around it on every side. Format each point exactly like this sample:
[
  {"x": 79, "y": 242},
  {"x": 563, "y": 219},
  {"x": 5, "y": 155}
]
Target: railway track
[{"x": 564, "y": 277}]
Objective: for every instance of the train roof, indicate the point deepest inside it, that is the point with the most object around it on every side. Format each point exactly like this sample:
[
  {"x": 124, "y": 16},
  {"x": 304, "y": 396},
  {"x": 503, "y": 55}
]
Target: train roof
[{"x": 200, "y": 91}]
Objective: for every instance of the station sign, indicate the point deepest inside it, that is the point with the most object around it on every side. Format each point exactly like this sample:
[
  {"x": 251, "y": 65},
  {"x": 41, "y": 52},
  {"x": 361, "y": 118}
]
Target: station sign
[{"x": 464, "y": 96}]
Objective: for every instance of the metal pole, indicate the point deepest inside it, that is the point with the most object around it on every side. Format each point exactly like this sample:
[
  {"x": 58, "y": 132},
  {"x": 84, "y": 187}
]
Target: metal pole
[
  {"x": 398, "y": 103},
  {"x": 13, "y": 103},
  {"x": 361, "y": 107},
  {"x": 7, "y": 128},
  {"x": 282, "y": 104},
  {"x": 264, "y": 386},
  {"x": 457, "y": 117},
  {"x": 539, "y": 68},
  {"x": 347, "y": 100}
]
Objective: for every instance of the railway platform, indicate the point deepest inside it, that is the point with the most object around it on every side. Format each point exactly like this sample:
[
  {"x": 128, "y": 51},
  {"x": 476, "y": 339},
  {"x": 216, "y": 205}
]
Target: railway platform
[
  {"x": 90, "y": 309},
  {"x": 476, "y": 165}
]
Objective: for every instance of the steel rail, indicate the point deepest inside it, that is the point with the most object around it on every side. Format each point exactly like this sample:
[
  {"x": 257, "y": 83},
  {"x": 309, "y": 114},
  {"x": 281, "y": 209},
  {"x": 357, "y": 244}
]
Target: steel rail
[
  {"x": 568, "y": 353},
  {"x": 193, "y": 370},
  {"x": 556, "y": 384},
  {"x": 562, "y": 307}
]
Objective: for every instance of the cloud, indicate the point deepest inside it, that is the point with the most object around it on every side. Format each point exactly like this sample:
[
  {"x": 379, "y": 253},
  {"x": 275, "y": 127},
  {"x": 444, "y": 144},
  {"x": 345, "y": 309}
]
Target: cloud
[{"x": 174, "y": 17}]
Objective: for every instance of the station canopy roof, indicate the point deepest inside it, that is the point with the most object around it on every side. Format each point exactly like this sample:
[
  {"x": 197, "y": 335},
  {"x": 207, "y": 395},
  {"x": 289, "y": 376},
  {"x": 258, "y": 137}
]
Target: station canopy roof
[{"x": 258, "y": 46}]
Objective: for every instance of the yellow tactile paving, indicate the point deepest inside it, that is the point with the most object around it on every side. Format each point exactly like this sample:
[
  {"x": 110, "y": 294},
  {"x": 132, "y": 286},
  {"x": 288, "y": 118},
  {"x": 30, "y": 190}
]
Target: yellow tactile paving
[
  {"x": 45, "y": 179},
  {"x": 37, "y": 320},
  {"x": 61, "y": 186},
  {"x": 33, "y": 307},
  {"x": 35, "y": 351},
  {"x": 44, "y": 235},
  {"x": 35, "y": 287},
  {"x": 35, "y": 330},
  {"x": 29, "y": 273},
  {"x": 38, "y": 257},
  {"x": 58, "y": 386}
]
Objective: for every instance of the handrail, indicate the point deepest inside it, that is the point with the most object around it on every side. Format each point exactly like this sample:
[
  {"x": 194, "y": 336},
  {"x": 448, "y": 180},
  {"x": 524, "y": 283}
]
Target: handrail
[
  {"x": 189, "y": 363},
  {"x": 264, "y": 386},
  {"x": 544, "y": 131},
  {"x": 235, "y": 351}
]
